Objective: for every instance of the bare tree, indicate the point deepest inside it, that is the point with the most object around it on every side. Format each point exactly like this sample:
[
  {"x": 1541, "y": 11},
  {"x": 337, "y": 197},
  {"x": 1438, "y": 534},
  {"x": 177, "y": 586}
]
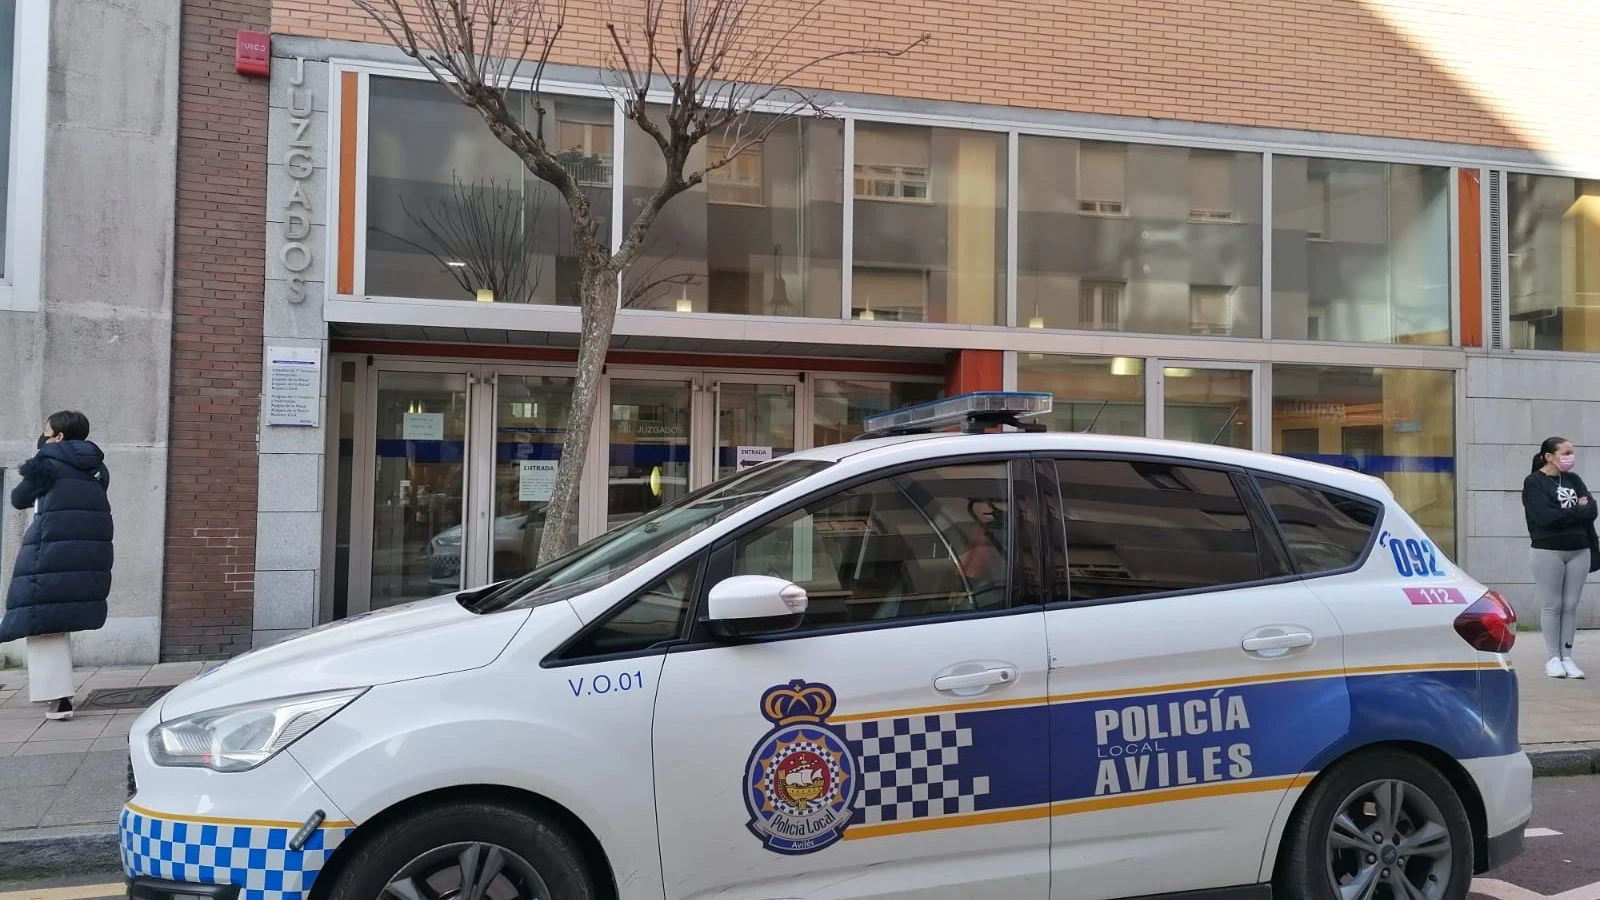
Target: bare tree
[{"x": 724, "y": 68}]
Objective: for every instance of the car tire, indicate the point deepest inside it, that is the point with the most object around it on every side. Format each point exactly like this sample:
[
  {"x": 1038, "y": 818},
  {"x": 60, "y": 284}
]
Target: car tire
[
  {"x": 446, "y": 846},
  {"x": 1319, "y": 846}
]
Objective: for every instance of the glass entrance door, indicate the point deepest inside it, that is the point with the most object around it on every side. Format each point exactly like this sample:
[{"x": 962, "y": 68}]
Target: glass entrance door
[
  {"x": 530, "y": 422},
  {"x": 650, "y": 454},
  {"x": 419, "y": 485},
  {"x": 754, "y": 422},
  {"x": 1207, "y": 403}
]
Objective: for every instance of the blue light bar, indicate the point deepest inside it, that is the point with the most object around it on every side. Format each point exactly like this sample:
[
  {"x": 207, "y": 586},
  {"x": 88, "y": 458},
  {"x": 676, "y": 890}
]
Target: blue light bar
[{"x": 961, "y": 409}]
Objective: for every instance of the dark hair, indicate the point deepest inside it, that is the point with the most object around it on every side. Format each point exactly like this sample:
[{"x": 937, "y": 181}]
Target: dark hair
[
  {"x": 1550, "y": 445},
  {"x": 70, "y": 424}
]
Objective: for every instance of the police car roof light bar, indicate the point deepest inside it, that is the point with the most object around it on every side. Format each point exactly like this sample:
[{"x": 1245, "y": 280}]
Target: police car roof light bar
[{"x": 975, "y": 412}]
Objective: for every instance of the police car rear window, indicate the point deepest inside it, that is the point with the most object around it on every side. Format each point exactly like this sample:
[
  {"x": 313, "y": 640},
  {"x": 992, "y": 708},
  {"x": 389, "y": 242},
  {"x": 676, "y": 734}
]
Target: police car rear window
[{"x": 1324, "y": 531}]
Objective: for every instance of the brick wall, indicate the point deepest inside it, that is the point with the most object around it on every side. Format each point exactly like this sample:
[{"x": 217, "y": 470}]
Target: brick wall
[
  {"x": 1496, "y": 72},
  {"x": 217, "y": 324}
]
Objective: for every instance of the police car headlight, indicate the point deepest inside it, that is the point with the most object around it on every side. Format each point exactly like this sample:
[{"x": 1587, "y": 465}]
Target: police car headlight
[{"x": 239, "y": 738}]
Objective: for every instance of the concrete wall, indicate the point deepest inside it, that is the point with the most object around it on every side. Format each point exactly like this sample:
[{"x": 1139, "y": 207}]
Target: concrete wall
[
  {"x": 1514, "y": 403},
  {"x": 289, "y": 521},
  {"x": 100, "y": 341}
]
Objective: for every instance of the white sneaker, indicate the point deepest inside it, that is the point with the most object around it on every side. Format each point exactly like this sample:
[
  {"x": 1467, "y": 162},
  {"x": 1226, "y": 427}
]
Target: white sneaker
[
  {"x": 1555, "y": 668},
  {"x": 1572, "y": 668}
]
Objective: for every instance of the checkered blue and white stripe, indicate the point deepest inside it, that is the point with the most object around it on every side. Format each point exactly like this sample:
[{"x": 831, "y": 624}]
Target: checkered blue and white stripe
[
  {"x": 257, "y": 858},
  {"x": 906, "y": 768}
]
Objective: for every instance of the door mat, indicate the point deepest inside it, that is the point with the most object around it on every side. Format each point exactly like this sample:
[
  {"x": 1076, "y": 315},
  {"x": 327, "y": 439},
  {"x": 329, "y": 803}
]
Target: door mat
[{"x": 130, "y": 698}]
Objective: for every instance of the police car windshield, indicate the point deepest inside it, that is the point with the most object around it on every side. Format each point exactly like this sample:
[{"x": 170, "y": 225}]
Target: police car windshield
[{"x": 623, "y": 548}]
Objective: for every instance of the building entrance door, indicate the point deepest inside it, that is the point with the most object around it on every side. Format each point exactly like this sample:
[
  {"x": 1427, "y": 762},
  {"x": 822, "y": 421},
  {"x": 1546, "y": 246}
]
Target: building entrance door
[{"x": 1205, "y": 402}]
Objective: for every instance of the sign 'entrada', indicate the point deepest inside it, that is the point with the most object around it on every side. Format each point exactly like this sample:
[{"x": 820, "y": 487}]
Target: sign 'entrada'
[{"x": 296, "y": 254}]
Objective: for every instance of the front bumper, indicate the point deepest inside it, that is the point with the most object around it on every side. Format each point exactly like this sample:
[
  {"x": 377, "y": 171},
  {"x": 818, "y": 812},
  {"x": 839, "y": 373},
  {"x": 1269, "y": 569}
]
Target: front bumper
[{"x": 142, "y": 888}]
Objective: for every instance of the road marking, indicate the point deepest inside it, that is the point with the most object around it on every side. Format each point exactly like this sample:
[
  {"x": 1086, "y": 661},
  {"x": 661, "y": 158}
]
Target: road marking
[
  {"x": 1541, "y": 832},
  {"x": 78, "y": 892},
  {"x": 1501, "y": 890}
]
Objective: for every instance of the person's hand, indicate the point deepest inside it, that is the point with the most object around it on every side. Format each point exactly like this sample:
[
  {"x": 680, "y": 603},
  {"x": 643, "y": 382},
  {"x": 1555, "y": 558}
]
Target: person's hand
[{"x": 1583, "y": 501}]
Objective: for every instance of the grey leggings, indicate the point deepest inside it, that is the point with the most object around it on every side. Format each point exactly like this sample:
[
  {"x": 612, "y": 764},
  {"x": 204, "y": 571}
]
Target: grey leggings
[{"x": 1559, "y": 577}]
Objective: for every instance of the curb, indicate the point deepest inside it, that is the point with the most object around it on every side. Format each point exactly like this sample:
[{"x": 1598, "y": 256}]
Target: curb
[
  {"x": 1565, "y": 760},
  {"x": 59, "y": 854}
]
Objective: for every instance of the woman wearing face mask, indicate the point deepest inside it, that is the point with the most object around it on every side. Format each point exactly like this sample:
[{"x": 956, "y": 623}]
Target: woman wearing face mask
[{"x": 1560, "y": 513}]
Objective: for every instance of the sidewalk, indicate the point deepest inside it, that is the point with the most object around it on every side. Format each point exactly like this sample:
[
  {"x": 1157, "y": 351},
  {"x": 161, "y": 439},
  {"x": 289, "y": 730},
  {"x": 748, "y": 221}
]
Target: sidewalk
[{"x": 62, "y": 784}]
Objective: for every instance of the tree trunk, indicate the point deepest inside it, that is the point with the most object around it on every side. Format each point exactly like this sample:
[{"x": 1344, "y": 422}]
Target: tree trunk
[{"x": 599, "y": 299}]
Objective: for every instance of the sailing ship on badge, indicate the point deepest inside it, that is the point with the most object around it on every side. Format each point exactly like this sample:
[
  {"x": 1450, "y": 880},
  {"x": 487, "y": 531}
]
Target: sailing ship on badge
[{"x": 800, "y": 783}]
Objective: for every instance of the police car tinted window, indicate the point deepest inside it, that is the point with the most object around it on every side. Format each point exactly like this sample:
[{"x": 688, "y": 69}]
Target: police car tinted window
[
  {"x": 653, "y": 618},
  {"x": 1138, "y": 527},
  {"x": 922, "y": 543},
  {"x": 1324, "y": 531}
]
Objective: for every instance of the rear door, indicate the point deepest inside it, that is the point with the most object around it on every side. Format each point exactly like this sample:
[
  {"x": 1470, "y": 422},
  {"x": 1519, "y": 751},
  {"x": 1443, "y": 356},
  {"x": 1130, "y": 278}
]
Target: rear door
[{"x": 1193, "y": 679}]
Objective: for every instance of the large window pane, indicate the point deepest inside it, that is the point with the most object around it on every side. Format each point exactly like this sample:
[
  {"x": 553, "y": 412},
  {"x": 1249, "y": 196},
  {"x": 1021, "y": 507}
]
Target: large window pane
[
  {"x": 930, "y": 224},
  {"x": 1360, "y": 251},
  {"x": 453, "y": 214},
  {"x": 1127, "y": 237},
  {"x": 1396, "y": 424},
  {"x": 760, "y": 237},
  {"x": 842, "y": 404},
  {"x": 1093, "y": 394},
  {"x": 1553, "y": 229}
]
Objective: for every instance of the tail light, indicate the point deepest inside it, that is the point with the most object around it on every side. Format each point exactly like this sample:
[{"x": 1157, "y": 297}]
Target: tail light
[{"x": 1489, "y": 625}]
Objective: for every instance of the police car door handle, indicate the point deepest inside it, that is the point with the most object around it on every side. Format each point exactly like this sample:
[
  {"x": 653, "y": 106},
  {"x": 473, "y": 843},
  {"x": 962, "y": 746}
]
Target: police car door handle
[
  {"x": 983, "y": 678},
  {"x": 1285, "y": 641}
]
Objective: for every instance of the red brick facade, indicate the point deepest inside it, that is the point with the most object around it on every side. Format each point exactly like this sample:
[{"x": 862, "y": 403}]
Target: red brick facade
[{"x": 217, "y": 322}]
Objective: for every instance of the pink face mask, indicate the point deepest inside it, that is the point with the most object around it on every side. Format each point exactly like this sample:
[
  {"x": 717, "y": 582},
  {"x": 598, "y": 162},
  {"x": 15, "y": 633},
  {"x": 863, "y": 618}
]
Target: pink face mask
[{"x": 1565, "y": 463}]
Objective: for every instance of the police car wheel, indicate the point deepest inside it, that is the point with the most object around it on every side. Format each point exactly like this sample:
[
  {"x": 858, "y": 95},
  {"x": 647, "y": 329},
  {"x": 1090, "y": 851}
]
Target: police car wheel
[
  {"x": 466, "y": 851},
  {"x": 1381, "y": 826}
]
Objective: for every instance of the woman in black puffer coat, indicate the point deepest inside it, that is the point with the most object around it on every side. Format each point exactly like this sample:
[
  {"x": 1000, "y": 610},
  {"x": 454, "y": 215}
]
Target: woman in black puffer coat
[{"x": 63, "y": 571}]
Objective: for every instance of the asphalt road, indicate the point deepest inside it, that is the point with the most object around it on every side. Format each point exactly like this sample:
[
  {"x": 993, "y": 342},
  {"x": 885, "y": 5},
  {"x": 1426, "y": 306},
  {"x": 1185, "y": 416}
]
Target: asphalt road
[{"x": 1560, "y": 860}]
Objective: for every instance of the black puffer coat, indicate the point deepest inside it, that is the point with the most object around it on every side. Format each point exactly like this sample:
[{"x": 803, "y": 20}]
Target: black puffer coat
[{"x": 63, "y": 571}]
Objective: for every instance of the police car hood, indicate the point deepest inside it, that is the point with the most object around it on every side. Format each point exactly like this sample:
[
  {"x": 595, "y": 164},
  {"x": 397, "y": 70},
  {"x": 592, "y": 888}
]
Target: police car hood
[{"x": 416, "y": 640}]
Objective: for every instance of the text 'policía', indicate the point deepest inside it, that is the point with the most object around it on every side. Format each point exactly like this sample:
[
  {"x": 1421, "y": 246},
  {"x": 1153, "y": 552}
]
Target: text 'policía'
[{"x": 1137, "y": 750}]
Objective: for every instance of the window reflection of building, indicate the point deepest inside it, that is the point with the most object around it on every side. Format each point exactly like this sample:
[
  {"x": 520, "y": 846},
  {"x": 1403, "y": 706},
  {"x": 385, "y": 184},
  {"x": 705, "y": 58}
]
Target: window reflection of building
[
  {"x": 1553, "y": 233},
  {"x": 1138, "y": 238},
  {"x": 930, "y": 224},
  {"x": 452, "y": 212},
  {"x": 1361, "y": 251},
  {"x": 840, "y": 404},
  {"x": 761, "y": 235}
]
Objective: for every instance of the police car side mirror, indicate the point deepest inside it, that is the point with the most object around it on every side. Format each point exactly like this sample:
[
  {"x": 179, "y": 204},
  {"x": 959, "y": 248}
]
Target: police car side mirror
[{"x": 746, "y": 605}]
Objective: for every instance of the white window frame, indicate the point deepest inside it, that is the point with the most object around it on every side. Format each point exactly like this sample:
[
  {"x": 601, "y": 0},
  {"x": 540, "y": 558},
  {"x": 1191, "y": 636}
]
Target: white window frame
[{"x": 24, "y": 234}]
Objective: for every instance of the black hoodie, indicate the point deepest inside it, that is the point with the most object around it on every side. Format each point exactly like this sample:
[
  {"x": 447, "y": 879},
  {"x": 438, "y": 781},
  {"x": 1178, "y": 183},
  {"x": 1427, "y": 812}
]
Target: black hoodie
[
  {"x": 1556, "y": 520},
  {"x": 63, "y": 571}
]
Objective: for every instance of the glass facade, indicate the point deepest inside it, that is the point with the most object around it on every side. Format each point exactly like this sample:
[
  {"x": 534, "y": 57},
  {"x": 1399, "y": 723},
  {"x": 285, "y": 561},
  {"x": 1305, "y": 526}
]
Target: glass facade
[
  {"x": 1553, "y": 271},
  {"x": 1395, "y": 424},
  {"x": 1140, "y": 238},
  {"x": 840, "y": 404},
  {"x": 760, "y": 236},
  {"x": 1093, "y": 394},
  {"x": 453, "y": 214},
  {"x": 1360, "y": 252},
  {"x": 930, "y": 224}
]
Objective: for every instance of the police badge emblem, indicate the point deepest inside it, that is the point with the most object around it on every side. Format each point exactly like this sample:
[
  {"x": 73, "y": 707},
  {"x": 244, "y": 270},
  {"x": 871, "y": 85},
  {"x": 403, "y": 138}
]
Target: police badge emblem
[{"x": 800, "y": 782}]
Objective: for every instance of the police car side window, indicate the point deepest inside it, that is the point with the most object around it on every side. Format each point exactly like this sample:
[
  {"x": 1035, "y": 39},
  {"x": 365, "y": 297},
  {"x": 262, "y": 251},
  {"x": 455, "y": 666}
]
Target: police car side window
[
  {"x": 923, "y": 543},
  {"x": 1137, "y": 527},
  {"x": 656, "y": 616},
  {"x": 1324, "y": 531}
]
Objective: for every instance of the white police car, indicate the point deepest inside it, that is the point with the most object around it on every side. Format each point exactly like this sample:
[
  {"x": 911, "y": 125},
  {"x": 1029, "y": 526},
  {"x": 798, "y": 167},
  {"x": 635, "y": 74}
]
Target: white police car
[{"x": 1009, "y": 665}]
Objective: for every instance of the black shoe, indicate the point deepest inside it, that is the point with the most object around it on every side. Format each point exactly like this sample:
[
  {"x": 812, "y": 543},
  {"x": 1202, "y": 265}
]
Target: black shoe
[{"x": 60, "y": 710}]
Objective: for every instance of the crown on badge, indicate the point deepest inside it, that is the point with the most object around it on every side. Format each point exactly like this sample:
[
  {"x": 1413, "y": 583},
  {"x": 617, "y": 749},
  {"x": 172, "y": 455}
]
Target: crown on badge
[{"x": 797, "y": 701}]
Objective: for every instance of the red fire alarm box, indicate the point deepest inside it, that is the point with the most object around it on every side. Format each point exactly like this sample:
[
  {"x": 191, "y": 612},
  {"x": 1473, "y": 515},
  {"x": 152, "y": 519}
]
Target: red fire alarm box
[{"x": 252, "y": 53}]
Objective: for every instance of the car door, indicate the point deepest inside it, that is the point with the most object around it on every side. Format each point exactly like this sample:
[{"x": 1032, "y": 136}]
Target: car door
[
  {"x": 1193, "y": 680},
  {"x": 894, "y": 744}
]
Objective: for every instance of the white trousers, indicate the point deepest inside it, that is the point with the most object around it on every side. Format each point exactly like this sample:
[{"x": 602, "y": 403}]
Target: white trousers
[{"x": 49, "y": 667}]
